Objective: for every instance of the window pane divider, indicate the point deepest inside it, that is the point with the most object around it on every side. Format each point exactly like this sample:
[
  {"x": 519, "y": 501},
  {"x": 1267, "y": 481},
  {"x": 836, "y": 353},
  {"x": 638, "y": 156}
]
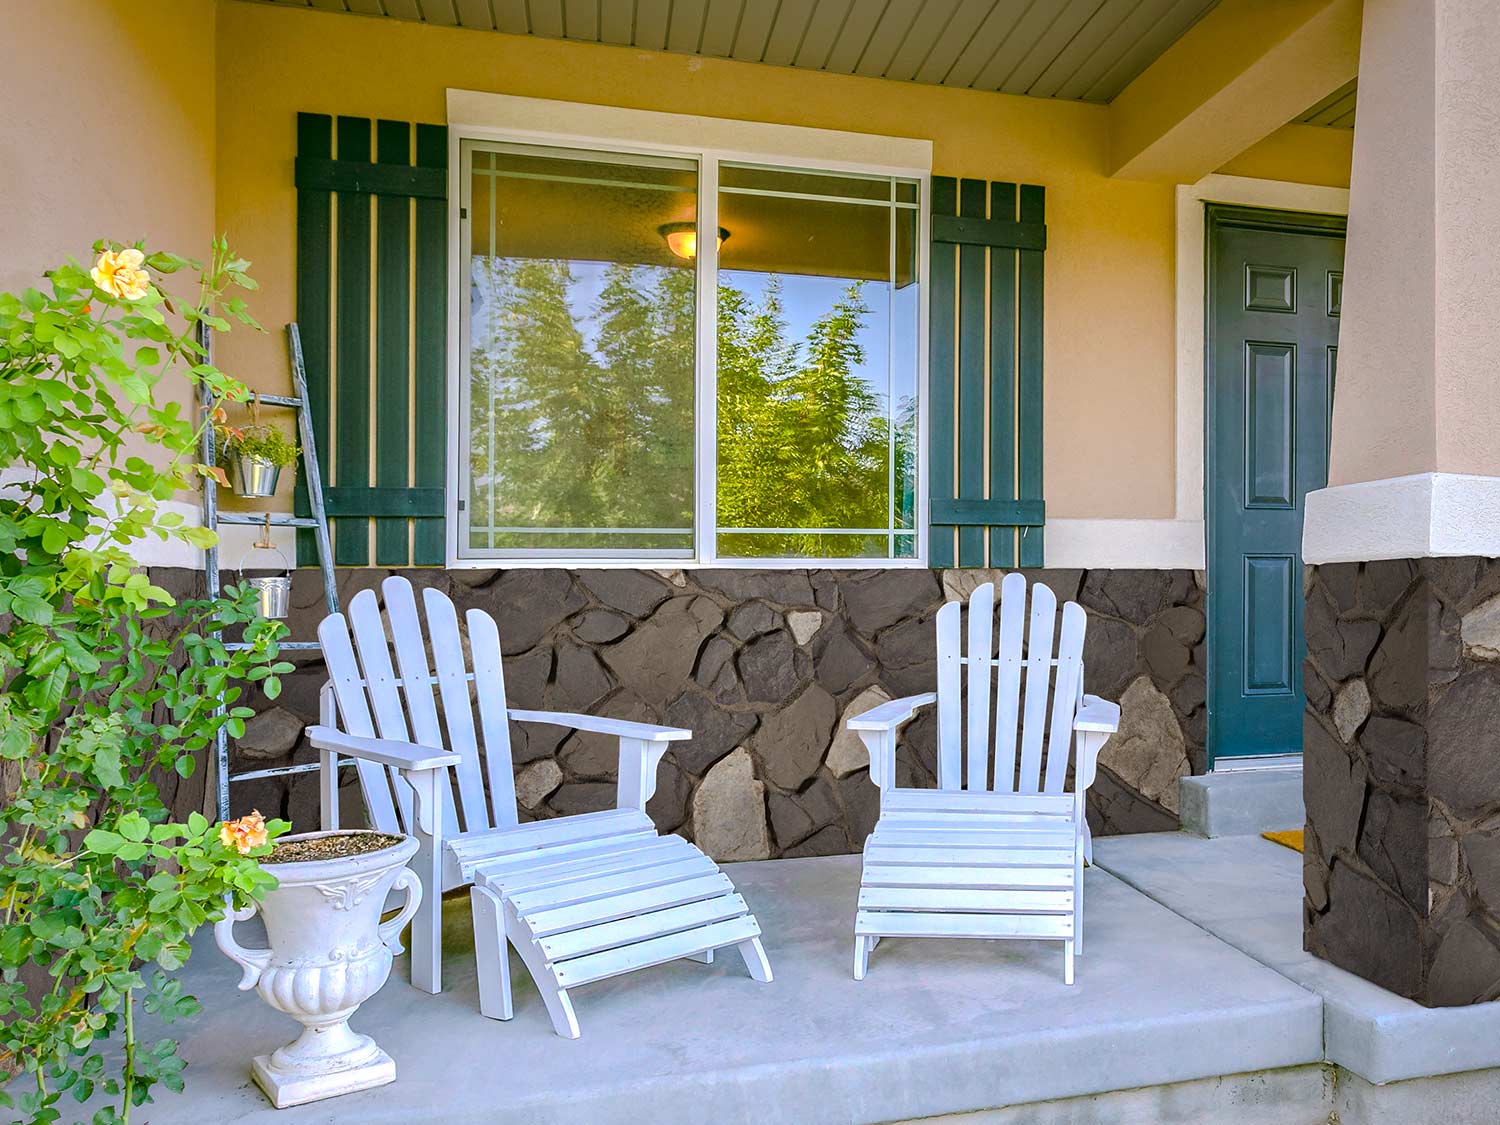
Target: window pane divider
[{"x": 705, "y": 376}]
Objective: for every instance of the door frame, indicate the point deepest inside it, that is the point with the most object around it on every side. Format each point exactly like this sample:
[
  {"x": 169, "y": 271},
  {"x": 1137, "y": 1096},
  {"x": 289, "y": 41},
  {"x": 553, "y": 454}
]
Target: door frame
[{"x": 1217, "y": 216}]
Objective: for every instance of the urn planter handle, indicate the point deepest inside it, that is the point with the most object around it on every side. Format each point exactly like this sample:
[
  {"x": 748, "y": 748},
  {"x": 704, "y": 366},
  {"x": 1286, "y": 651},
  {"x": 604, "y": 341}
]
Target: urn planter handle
[
  {"x": 390, "y": 931},
  {"x": 252, "y": 961}
]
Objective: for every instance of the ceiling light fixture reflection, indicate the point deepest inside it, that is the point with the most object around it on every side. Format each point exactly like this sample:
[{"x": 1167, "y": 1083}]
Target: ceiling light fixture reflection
[{"x": 682, "y": 238}]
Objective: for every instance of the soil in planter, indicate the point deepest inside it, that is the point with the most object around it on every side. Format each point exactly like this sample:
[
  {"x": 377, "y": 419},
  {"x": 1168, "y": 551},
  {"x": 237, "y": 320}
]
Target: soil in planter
[{"x": 331, "y": 847}]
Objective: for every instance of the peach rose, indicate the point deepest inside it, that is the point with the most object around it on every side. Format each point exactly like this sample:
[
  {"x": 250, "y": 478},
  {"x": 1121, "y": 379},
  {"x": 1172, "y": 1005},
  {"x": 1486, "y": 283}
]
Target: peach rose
[
  {"x": 244, "y": 834},
  {"x": 122, "y": 274}
]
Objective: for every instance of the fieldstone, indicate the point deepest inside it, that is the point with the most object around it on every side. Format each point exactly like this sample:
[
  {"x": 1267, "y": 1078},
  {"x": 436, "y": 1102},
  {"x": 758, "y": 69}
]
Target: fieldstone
[
  {"x": 848, "y": 754},
  {"x": 1185, "y": 622},
  {"x": 1149, "y": 752},
  {"x": 1315, "y": 688},
  {"x": 826, "y": 841},
  {"x": 876, "y": 600},
  {"x": 1442, "y": 859},
  {"x": 1064, "y": 583},
  {"x": 1110, "y": 659},
  {"x": 715, "y": 731},
  {"x": 1463, "y": 770},
  {"x": 1340, "y": 648},
  {"x": 474, "y": 579},
  {"x": 1135, "y": 595},
  {"x": 1333, "y": 787},
  {"x": 1398, "y": 670},
  {"x": 791, "y": 743},
  {"x": 911, "y": 644},
  {"x": 1393, "y": 844},
  {"x": 580, "y": 680},
  {"x": 1115, "y": 809},
  {"x": 729, "y": 811},
  {"x": 591, "y": 755},
  {"x": 1166, "y": 656},
  {"x": 526, "y": 678},
  {"x": 804, "y": 624},
  {"x": 668, "y": 806},
  {"x": 1190, "y": 694},
  {"x": 1445, "y": 652},
  {"x": 1456, "y": 579},
  {"x": 657, "y": 660},
  {"x": 526, "y": 604},
  {"x": 1341, "y": 582},
  {"x": 768, "y": 668},
  {"x": 537, "y": 781},
  {"x": 843, "y": 662},
  {"x": 1482, "y": 854},
  {"x": 1382, "y": 583},
  {"x": 675, "y": 577},
  {"x": 600, "y": 626},
  {"x": 1395, "y": 751},
  {"x": 271, "y": 734},
  {"x": 861, "y": 801},
  {"x": 784, "y": 587},
  {"x": 635, "y": 592},
  {"x": 794, "y": 817},
  {"x": 1480, "y": 630},
  {"x": 959, "y": 585},
  {"x": 716, "y": 654},
  {"x": 1466, "y": 968},
  {"x": 584, "y": 796},
  {"x": 1358, "y": 907},
  {"x": 825, "y": 589},
  {"x": 1351, "y": 707},
  {"x": 752, "y": 619}
]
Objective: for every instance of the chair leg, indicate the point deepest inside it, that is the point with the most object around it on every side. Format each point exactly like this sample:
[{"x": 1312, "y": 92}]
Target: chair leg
[
  {"x": 1068, "y": 962},
  {"x": 492, "y": 954},
  {"x": 1078, "y": 901},
  {"x": 755, "y": 959},
  {"x": 559, "y": 1006},
  {"x": 704, "y": 958},
  {"x": 862, "y": 947}
]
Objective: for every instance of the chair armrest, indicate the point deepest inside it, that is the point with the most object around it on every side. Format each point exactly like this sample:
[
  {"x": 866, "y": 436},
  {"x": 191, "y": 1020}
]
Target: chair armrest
[
  {"x": 646, "y": 732},
  {"x": 387, "y": 752},
  {"x": 889, "y": 716},
  {"x": 1097, "y": 715}
]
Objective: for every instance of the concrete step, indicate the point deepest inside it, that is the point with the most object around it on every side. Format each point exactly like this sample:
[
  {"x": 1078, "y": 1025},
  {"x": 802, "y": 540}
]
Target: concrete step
[{"x": 1242, "y": 802}]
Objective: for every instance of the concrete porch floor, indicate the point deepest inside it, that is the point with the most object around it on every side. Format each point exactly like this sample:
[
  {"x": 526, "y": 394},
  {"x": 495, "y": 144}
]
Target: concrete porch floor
[{"x": 937, "y": 1028}]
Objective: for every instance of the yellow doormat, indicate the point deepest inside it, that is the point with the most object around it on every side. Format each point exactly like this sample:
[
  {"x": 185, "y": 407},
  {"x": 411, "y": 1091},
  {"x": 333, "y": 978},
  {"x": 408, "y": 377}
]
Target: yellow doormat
[{"x": 1291, "y": 838}]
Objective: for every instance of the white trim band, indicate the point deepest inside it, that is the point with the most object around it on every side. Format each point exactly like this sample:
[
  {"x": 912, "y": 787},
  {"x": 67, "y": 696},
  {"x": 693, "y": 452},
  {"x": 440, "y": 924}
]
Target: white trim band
[{"x": 1425, "y": 515}]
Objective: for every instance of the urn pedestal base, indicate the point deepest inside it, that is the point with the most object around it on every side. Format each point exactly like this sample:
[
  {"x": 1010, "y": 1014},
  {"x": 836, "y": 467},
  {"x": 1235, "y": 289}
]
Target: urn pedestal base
[{"x": 289, "y": 1087}]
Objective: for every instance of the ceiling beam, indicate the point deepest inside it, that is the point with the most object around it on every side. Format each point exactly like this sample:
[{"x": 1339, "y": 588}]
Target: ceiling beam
[{"x": 1238, "y": 75}]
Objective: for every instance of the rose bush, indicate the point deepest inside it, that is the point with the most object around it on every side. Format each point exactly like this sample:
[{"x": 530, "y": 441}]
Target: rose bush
[{"x": 106, "y": 682}]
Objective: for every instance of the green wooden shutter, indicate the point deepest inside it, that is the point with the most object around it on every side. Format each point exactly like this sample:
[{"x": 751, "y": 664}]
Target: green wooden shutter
[
  {"x": 985, "y": 374},
  {"x": 372, "y": 306}
]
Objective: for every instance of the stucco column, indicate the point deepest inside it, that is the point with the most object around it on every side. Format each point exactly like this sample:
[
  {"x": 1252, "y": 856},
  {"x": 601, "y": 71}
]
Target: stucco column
[{"x": 1402, "y": 731}]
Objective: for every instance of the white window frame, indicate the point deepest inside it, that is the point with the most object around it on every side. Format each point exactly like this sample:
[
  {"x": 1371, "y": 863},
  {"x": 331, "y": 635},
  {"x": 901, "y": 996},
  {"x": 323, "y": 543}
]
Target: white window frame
[{"x": 501, "y": 118}]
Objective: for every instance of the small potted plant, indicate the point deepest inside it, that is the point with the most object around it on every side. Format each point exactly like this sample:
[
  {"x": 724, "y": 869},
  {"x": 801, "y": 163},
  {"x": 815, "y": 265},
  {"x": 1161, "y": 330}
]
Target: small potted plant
[
  {"x": 258, "y": 452},
  {"x": 327, "y": 952}
]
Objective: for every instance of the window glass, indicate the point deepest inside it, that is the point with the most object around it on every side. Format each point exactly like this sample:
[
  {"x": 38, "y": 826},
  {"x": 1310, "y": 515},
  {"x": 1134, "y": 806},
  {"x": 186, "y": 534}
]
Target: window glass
[
  {"x": 581, "y": 355},
  {"x": 817, "y": 367}
]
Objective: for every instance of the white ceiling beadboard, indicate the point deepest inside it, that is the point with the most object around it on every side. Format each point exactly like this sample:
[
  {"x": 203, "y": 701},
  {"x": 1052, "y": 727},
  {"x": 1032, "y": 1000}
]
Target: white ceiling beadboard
[
  {"x": 1083, "y": 50},
  {"x": 1336, "y": 110}
]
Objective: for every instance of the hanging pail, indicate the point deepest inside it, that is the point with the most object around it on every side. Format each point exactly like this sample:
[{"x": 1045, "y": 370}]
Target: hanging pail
[
  {"x": 273, "y": 592},
  {"x": 257, "y": 476}
]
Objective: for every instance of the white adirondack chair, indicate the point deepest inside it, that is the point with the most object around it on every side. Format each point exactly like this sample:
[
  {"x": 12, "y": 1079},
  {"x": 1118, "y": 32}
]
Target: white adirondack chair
[
  {"x": 581, "y": 897},
  {"x": 992, "y": 852}
]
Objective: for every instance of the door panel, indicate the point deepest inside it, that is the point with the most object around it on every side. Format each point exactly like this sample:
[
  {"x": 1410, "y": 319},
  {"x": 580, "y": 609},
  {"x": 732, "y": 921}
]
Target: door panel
[{"x": 1275, "y": 289}]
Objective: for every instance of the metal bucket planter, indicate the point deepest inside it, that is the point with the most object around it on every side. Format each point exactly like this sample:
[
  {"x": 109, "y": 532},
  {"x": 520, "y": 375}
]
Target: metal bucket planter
[
  {"x": 257, "y": 476},
  {"x": 273, "y": 591}
]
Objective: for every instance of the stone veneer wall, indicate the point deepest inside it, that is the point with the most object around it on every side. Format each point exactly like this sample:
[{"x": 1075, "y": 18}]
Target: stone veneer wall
[
  {"x": 1401, "y": 750},
  {"x": 764, "y": 666}
]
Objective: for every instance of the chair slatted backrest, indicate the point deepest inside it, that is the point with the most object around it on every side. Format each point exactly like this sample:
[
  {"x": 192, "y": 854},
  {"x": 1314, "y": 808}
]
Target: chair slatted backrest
[
  {"x": 426, "y": 702},
  {"x": 1006, "y": 708}
]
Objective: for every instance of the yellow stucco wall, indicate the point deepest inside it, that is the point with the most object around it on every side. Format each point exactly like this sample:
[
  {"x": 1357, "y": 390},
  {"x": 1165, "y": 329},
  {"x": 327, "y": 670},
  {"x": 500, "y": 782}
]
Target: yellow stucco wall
[
  {"x": 1109, "y": 303},
  {"x": 109, "y": 129}
]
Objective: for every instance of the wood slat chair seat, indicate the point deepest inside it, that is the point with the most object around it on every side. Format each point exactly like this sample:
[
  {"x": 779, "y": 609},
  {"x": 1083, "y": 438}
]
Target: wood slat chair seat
[
  {"x": 606, "y": 909},
  {"x": 581, "y": 897},
  {"x": 997, "y": 850}
]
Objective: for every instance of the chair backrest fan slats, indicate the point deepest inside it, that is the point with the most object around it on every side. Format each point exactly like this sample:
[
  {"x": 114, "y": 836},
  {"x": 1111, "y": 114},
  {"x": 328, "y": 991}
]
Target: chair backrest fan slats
[
  {"x": 401, "y": 702},
  {"x": 1034, "y": 687},
  {"x": 354, "y": 718},
  {"x": 949, "y": 704}
]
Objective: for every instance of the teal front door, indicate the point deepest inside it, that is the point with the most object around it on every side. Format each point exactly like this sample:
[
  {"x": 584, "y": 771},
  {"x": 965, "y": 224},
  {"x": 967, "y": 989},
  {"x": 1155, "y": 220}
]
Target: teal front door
[{"x": 1275, "y": 284}]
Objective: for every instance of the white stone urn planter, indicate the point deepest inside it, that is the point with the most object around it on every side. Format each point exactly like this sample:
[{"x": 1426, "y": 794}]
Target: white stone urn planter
[{"x": 328, "y": 953}]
